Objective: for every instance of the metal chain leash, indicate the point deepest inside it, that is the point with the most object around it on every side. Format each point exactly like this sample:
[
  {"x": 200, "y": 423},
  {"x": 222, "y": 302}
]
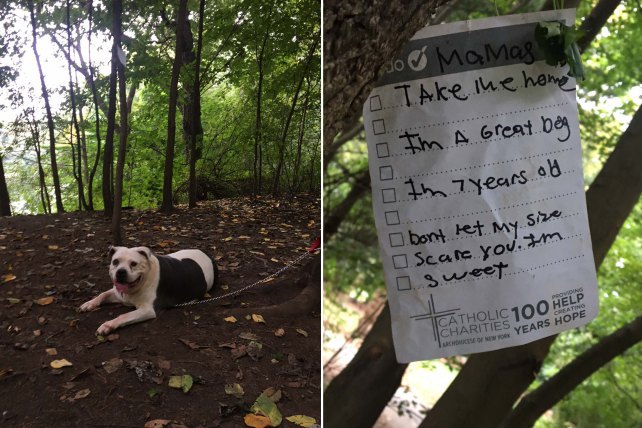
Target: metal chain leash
[{"x": 247, "y": 287}]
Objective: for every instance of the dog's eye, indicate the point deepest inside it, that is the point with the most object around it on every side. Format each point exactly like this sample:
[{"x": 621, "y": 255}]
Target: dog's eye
[
  {"x": 133, "y": 264},
  {"x": 115, "y": 262}
]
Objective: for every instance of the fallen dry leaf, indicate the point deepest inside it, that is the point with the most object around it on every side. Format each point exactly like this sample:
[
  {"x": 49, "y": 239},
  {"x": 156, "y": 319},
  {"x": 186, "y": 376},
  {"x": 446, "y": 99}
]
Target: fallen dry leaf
[
  {"x": 184, "y": 382},
  {"x": 234, "y": 389},
  {"x": 257, "y": 421},
  {"x": 8, "y": 277},
  {"x": 189, "y": 344},
  {"x": 83, "y": 393},
  {"x": 266, "y": 407},
  {"x": 58, "y": 364},
  {"x": 302, "y": 420},
  {"x": 44, "y": 301},
  {"x": 255, "y": 350},
  {"x": 51, "y": 351},
  {"x": 239, "y": 352},
  {"x": 302, "y": 332},
  {"x": 258, "y": 318},
  {"x": 273, "y": 394},
  {"x": 112, "y": 365},
  {"x": 157, "y": 423},
  {"x": 279, "y": 332},
  {"x": 248, "y": 336},
  {"x": 230, "y": 319}
]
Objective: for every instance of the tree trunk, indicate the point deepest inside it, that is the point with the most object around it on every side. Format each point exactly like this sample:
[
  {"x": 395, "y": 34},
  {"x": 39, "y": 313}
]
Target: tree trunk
[
  {"x": 5, "y": 204},
  {"x": 44, "y": 193},
  {"x": 116, "y": 231},
  {"x": 358, "y": 190},
  {"x": 168, "y": 204},
  {"x": 593, "y": 23},
  {"x": 366, "y": 391},
  {"x": 50, "y": 125},
  {"x": 108, "y": 156},
  {"x": 94, "y": 95},
  {"x": 282, "y": 146},
  {"x": 359, "y": 37},
  {"x": 196, "y": 127},
  {"x": 82, "y": 203},
  {"x": 258, "y": 135},
  {"x": 294, "y": 188},
  {"x": 35, "y": 136}
]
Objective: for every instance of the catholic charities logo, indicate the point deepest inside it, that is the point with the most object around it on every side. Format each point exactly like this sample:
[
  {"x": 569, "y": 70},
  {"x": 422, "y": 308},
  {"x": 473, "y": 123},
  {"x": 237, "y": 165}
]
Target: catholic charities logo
[
  {"x": 450, "y": 327},
  {"x": 434, "y": 316}
]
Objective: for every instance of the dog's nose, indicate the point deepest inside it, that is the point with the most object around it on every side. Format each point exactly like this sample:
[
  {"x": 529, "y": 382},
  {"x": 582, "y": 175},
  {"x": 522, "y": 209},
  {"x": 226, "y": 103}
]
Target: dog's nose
[{"x": 121, "y": 275}]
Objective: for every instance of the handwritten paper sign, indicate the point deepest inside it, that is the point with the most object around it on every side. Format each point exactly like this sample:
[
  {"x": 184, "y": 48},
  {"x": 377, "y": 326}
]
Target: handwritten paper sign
[{"x": 478, "y": 191}]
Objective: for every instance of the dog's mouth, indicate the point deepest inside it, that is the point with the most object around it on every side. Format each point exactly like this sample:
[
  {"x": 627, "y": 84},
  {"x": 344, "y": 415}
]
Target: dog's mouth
[{"x": 125, "y": 287}]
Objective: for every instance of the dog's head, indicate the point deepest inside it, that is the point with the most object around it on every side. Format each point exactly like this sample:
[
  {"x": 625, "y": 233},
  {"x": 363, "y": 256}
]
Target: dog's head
[{"x": 128, "y": 267}]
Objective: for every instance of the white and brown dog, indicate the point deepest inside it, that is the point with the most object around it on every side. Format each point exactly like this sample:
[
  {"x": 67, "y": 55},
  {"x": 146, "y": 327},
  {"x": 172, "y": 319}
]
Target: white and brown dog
[{"x": 150, "y": 282}]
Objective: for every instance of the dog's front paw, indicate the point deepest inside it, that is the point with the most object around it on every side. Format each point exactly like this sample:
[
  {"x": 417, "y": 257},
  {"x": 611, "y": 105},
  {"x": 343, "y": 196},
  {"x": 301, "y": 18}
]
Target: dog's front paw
[
  {"x": 88, "y": 306},
  {"x": 106, "y": 328}
]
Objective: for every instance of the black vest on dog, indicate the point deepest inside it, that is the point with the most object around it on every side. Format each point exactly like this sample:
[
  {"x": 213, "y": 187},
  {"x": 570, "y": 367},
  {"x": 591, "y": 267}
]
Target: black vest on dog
[{"x": 180, "y": 281}]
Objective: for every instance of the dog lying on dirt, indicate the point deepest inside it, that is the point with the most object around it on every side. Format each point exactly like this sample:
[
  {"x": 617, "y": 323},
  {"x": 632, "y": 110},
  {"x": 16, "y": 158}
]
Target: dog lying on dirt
[{"x": 150, "y": 282}]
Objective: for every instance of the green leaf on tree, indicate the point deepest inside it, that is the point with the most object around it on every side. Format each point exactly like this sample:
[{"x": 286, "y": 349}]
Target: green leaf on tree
[{"x": 558, "y": 43}]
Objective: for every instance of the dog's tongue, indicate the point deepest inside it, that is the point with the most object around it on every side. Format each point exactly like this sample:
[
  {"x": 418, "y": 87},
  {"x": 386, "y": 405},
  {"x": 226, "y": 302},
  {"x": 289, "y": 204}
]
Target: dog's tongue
[{"x": 122, "y": 288}]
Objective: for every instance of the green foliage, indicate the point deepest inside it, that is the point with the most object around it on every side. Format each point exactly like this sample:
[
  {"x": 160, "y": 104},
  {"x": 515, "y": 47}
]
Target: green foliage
[
  {"x": 558, "y": 42},
  {"x": 229, "y": 75},
  {"x": 612, "y": 396}
]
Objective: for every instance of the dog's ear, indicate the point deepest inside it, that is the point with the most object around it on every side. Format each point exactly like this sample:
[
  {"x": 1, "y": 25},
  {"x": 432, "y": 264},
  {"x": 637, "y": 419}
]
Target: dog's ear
[
  {"x": 112, "y": 250},
  {"x": 145, "y": 252}
]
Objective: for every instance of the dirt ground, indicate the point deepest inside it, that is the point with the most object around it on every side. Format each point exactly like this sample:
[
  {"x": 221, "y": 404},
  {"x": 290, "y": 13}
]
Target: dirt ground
[{"x": 50, "y": 265}]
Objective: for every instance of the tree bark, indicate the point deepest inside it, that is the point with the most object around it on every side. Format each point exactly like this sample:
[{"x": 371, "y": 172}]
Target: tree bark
[
  {"x": 168, "y": 204},
  {"x": 5, "y": 203},
  {"x": 196, "y": 127},
  {"x": 359, "y": 37},
  {"x": 593, "y": 23},
  {"x": 50, "y": 125},
  {"x": 116, "y": 230}
]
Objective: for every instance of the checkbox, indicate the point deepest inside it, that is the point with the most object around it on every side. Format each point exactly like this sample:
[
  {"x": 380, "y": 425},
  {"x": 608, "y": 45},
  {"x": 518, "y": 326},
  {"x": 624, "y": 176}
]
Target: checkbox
[
  {"x": 396, "y": 239},
  {"x": 375, "y": 103},
  {"x": 389, "y": 195},
  {"x": 385, "y": 173},
  {"x": 400, "y": 261},
  {"x": 378, "y": 127},
  {"x": 403, "y": 283},
  {"x": 392, "y": 218},
  {"x": 382, "y": 150}
]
